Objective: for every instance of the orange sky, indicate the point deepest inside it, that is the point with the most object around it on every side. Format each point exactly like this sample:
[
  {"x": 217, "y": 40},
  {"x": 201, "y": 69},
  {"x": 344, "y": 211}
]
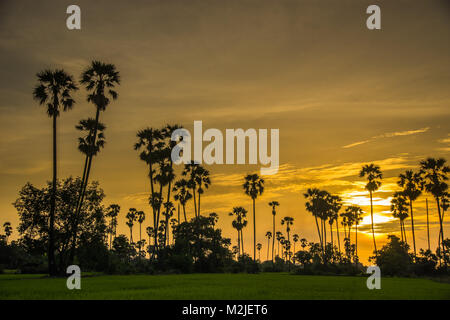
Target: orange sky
[{"x": 341, "y": 96}]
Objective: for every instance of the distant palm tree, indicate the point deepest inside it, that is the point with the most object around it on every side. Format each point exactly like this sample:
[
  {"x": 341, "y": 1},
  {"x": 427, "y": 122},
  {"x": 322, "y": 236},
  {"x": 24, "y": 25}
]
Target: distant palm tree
[
  {"x": 412, "y": 184},
  {"x": 274, "y": 205},
  {"x": 435, "y": 174},
  {"x": 239, "y": 224},
  {"x": 253, "y": 186},
  {"x": 202, "y": 181},
  {"x": 374, "y": 176},
  {"x": 140, "y": 219},
  {"x": 112, "y": 212},
  {"x": 190, "y": 171},
  {"x": 150, "y": 233},
  {"x": 131, "y": 218},
  {"x": 259, "y": 247},
  {"x": 399, "y": 209},
  {"x": 288, "y": 221},
  {"x": 8, "y": 230},
  {"x": 269, "y": 236},
  {"x": 295, "y": 238},
  {"x": 356, "y": 216},
  {"x": 54, "y": 90},
  {"x": 182, "y": 194},
  {"x": 279, "y": 237},
  {"x": 335, "y": 207}
]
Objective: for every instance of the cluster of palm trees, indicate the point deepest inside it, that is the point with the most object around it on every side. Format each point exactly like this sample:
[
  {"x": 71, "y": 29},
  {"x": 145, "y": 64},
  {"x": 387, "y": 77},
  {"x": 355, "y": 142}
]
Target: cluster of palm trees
[
  {"x": 155, "y": 146},
  {"x": 54, "y": 90},
  {"x": 431, "y": 178}
]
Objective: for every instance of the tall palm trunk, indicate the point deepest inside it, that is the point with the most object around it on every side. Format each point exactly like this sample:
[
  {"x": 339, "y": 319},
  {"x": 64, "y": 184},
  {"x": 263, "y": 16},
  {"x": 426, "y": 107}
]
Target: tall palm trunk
[
  {"x": 195, "y": 202},
  {"x": 254, "y": 230},
  {"x": 198, "y": 208},
  {"x": 412, "y": 228},
  {"x": 239, "y": 242},
  {"x": 428, "y": 226},
  {"x": 273, "y": 238},
  {"x": 441, "y": 231},
  {"x": 318, "y": 231},
  {"x": 268, "y": 248},
  {"x": 51, "y": 236},
  {"x": 373, "y": 230},
  {"x": 184, "y": 212},
  {"x": 339, "y": 241},
  {"x": 401, "y": 230},
  {"x": 356, "y": 241},
  {"x": 242, "y": 242}
]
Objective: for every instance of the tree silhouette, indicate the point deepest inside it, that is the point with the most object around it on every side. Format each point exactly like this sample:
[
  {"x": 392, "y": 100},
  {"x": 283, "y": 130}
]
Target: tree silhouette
[
  {"x": 99, "y": 80},
  {"x": 112, "y": 212},
  {"x": 8, "y": 230},
  {"x": 182, "y": 195},
  {"x": 288, "y": 221},
  {"x": 54, "y": 90},
  {"x": 435, "y": 174},
  {"x": 239, "y": 223},
  {"x": 253, "y": 186},
  {"x": 259, "y": 247},
  {"x": 399, "y": 209},
  {"x": 411, "y": 183},
  {"x": 373, "y": 174},
  {"x": 274, "y": 205},
  {"x": 269, "y": 236},
  {"x": 131, "y": 218}
]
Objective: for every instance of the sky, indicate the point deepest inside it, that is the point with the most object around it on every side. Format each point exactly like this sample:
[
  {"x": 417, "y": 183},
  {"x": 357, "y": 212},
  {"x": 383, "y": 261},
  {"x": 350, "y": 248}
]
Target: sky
[{"x": 341, "y": 96}]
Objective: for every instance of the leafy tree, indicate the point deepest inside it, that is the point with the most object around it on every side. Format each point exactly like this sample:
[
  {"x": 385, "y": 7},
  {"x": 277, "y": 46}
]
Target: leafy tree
[
  {"x": 393, "y": 258},
  {"x": 8, "y": 230}
]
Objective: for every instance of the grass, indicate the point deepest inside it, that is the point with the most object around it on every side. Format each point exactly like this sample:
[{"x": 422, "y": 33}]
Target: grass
[{"x": 219, "y": 286}]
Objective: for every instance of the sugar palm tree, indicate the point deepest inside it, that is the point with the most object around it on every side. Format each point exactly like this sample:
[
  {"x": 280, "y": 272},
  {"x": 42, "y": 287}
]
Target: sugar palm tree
[
  {"x": 412, "y": 184},
  {"x": 140, "y": 219},
  {"x": 182, "y": 194},
  {"x": 279, "y": 237},
  {"x": 131, "y": 218},
  {"x": 288, "y": 221},
  {"x": 112, "y": 212},
  {"x": 190, "y": 171},
  {"x": 435, "y": 174},
  {"x": 239, "y": 223},
  {"x": 202, "y": 182},
  {"x": 253, "y": 186},
  {"x": 99, "y": 80},
  {"x": 373, "y": 174},
  {"x": 269, "y": 236},
  {"x": 8, "y": 230},
  {"x": 295, "y": 238},
  {"x": 399, "y": 209},
  {"x": 356, "y": 216},
  {"x": 259, "y": 247},
  {"x": 274, "y": 205},
  {"x": 54, "y": 90},
  {"x": 335, "y": 207}
]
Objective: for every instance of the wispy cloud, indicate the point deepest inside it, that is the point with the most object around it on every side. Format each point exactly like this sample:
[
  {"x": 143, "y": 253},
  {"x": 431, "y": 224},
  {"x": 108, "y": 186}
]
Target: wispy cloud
[{"x": 387, "y": 135}]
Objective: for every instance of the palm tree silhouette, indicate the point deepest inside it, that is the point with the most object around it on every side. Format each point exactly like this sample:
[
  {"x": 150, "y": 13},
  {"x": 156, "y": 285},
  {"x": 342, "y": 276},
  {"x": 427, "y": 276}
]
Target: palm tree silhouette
[
  {"x": 112, "y": 212},
  {"x": 54, "y": 90},
  {"x": 288, "y": 221},
  {"x": 259, "y": 247},
  {"x": 279, "y": 237},
  {"x": 355, "y": 216},
  {"x": 269, "y": 236},
  {"x": 202, "y": 180},
  {"x": 131, "y": 218},
  {"x": 239, "y": 223},
  {"x": 182, "y": 194},
  {"x": 399, "y": 209},
  {"x": 8, "y": 230},
  {"x": 190, "y": 170},
  {"x": 374, "y": 176},
  {"x": 434, "y": 173},
  {"x": 318, "y": 203},
  {"x": 274, "y": 205},
  {"x": 99, "y": 80},
  {"x": 412, "y": 184},
  {"x": 140, "y": 219},
  {"x": 253, "y": 186},
  {"x": 335, "y": 207},
  {"x": 295, "y": 238}
]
